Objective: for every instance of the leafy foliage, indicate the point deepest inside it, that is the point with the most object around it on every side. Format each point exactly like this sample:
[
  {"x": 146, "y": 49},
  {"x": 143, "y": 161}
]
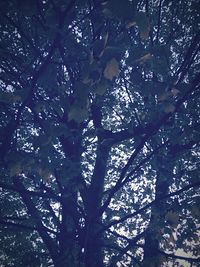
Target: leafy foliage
[{"x": 99, "y": 137}]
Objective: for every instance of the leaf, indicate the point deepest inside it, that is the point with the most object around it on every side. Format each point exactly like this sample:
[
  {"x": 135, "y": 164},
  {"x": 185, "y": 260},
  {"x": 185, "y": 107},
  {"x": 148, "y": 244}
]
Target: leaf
[
  {"x": 78, "y": 113},
  {"x": 39, "y": 106},
  {"x": 9, "y": 97},
  {"x": 15, "y": 168},
  {"x": 45, "y": 173},
  {"x": 116, "y": 51},
  {"x": 175, "y": 92},
  {"x": 130, "y": 24},
  {"x": 143, "y": 25},
  {"x": 172, "y": 239},
  {"x": 169, "y": 108},
  {"x": 164, "y": 96},
  {"x": 195, "y": 211},
  {"x": 91, "y": 74},
  {"x": 58, "y": 109},
  {"x": 81, "y": 93},
  {"x": 42, "y": 140},
  {"x": 79, "y": 109},
  {"x": 112, "y": 69},
  {"x": 172, "y": 218},
  {"x": 123, "y": 10},
  {"x": 101, "y": 88},
  {"x": 60, "y": 129},
  {"x": 98, "y": 47},
  {"x": 144, "y": 58}
]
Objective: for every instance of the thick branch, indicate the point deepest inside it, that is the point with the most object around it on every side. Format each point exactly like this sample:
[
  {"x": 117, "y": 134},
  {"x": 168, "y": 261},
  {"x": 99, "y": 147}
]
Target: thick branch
[
  {"x": 38, "y": 222},
  {"x": 97, "y": 181}
]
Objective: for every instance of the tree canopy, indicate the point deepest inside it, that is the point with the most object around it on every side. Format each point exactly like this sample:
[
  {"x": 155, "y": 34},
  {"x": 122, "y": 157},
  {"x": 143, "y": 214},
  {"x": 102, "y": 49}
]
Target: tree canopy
[{"x": 99, "y": 137}]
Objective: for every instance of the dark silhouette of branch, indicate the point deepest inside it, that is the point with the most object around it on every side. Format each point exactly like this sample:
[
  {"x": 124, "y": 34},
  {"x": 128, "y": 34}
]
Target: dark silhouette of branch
[
  {"x": 173, "y": 256},
  {"x": 43, "y": 231},
  {"x": 151, "y": 132},
  {"x": 188, "y": 59},
  {"x": 159, "y": 21},
  {"x": 37, "y": 73},
  {"x": 23, "y": 34},
  {"x": 17, "y": 225},
  {"x": 10, "y": 223},
  {"x": 130, "y": 177},
  {"x": 178, "y": 192},
  {"x": 30, "y": 192}
]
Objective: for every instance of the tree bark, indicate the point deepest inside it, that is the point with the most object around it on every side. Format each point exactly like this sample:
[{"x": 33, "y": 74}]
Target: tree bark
[
  {"x": 69, "y": 247},
  {"x": 152, "y": 235},
  {"x": 93, "y": 239}
]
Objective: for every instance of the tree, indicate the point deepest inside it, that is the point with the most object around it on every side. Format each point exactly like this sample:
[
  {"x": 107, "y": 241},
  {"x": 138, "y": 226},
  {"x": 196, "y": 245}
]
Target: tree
[{"x": 99, "y": 132}]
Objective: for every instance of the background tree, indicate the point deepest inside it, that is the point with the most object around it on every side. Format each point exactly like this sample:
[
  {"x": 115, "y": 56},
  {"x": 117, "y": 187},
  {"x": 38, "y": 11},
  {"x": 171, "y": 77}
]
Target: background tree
[{"x": 99, "y": 132}]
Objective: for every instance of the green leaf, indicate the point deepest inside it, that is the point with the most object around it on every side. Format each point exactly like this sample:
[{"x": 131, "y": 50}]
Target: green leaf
[
  {"x": 81, "y": 92},
  {"x": 112, "y": 69},
  {"x": 169, "y": 108},
  {"x": 144, "y": 59},
  {"x": 143, "y": 25},
  {"x": 101, "y": 88},
  {"x": 116, "y": 51},
  {"x": 9, "y": 97},
  {"x": 120, "y": 9},
  {"x": 172, "y": 218},
  {"x": 15, "y": 168},
  {"x": 78, "y": 113},
  {"x": 195, "y": 210},
  {"x": 46, "y": 173}
]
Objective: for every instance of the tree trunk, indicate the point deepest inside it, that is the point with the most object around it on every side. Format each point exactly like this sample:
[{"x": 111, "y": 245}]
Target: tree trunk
[
  {"x": 69, "y": 248},
  {"x": 93, "y": 238},
  {"x": 153, "y": 236},
  {"x": 93, "y": 247}
]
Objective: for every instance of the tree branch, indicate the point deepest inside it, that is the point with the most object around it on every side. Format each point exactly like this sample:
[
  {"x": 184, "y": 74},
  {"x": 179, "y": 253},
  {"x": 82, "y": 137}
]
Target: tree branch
[
  {"x": 14, "y": 123},
  {"x": 18, "y": 225},
  {"x": 187, "y": 59},
  {"x": 156, "y": 201},
  {"x": 169, "y": 255},
  {"x": 159, "y": 21},
  {"x": 43, "y": 231},
  {"x": 120, "y": 183},
  {"x": 29, "y": 192}
]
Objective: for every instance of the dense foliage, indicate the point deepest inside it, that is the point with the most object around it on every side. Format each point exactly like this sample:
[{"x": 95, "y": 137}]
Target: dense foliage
[{"x": 99, "y": 137}]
